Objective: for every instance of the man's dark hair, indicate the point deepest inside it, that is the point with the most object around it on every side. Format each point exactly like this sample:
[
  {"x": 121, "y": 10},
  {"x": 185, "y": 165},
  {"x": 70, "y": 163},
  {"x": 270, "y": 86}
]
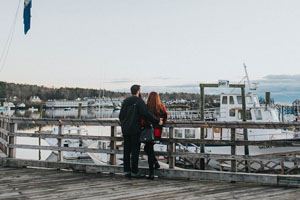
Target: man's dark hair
[{"x": 134, "y": 89}]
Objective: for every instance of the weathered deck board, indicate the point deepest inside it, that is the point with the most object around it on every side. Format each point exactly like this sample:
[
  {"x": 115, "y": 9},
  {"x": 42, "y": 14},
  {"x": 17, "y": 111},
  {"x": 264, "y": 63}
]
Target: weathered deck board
[{"x": 31, "y": 183}]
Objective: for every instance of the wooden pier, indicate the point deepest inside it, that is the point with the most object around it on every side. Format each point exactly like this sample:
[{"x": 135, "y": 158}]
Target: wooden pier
[
  {"x": 37, "y": 182},
  {"x": 29, "y": 183}
]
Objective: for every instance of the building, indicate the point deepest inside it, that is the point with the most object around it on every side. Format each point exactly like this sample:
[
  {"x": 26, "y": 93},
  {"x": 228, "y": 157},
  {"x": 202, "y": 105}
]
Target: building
[
  {"x": 35, "y": 99},
  {"x": 65, "y": 104}
]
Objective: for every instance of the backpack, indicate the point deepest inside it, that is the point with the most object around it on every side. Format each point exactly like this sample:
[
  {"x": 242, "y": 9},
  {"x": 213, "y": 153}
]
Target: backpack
[{"x": 130, "y": 122}]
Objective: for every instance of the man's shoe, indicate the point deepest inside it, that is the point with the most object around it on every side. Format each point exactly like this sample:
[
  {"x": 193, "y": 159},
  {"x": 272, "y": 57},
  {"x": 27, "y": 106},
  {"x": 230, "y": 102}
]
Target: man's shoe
[
  {"x": 127, "y": 174},
  {"x": 133, "y": 175}
]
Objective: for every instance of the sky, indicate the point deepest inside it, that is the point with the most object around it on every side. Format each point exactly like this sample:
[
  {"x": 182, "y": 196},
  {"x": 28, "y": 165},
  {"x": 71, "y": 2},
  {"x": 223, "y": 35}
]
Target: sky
[{"x": 163, "y": 45}]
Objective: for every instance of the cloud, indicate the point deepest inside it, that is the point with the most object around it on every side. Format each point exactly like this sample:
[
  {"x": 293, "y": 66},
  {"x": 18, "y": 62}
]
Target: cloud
[
  {"x": 165, "y": 78},
  {"x": 118, "y": 81},
  {"x": 283, "y": 88}
]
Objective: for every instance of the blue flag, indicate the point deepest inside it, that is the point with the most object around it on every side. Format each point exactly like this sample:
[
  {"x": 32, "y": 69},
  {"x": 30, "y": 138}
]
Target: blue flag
[{"x": 27, "y": 15}]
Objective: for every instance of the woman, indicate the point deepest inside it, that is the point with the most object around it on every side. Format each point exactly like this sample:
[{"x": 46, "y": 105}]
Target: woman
[{"x": 159, "y": 110}]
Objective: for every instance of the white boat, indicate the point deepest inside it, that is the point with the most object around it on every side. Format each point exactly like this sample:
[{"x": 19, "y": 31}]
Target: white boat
[
  {"x": 7, "y": 109},
  {"x": 21, "y": 105},
  {"x": 69, "y": 155},
  {"x": 33, "y": 109},
  {"x": 103, "y": 158},
  {"x": 231, "y": 110}
]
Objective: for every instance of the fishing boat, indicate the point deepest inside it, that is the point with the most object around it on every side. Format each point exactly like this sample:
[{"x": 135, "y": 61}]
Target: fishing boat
[{"x": 230, "y": 110}]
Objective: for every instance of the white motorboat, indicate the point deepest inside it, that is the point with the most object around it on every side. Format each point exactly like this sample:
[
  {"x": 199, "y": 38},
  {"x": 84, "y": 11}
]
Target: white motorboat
[{"x": 69, "y": 155}]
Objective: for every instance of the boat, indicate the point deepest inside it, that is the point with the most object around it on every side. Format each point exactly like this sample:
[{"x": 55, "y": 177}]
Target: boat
[
  {"x": 7, "y": 109},
  {"x": 33, "y": 109},
  {"x": 69, "y": 155},
  {"x": 103, "y": 158},
  {"x": 231, "y": 110}
]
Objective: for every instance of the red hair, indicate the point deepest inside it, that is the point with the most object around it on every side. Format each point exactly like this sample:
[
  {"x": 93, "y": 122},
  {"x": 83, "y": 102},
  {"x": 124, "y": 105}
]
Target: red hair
[{"x": 154, "y": 104}]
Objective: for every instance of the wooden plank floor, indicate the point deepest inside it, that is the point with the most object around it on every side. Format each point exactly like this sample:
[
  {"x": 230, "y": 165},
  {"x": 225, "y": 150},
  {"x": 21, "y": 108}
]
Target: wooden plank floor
[{"x": 24, "y": 183}]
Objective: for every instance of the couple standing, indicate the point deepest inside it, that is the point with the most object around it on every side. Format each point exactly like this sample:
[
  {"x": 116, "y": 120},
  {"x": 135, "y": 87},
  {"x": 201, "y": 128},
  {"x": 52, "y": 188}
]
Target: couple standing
[{"x": 134, "y": 116}]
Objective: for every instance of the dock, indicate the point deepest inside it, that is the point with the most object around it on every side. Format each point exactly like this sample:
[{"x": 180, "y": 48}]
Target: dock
[
  {"x": 277, "y": 176},
  {"x": 33, "y": 183}
]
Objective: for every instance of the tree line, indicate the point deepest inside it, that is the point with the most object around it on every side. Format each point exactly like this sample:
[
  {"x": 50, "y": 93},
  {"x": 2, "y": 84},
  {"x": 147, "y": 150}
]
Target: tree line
[{"x": 23, "y": 92}]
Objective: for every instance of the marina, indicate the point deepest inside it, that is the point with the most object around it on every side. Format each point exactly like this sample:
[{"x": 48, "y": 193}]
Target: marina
[
  {"x": 82, "y": 85},
  {"x": 283, "y": 162},
  {"x": 40, "y": 179}
]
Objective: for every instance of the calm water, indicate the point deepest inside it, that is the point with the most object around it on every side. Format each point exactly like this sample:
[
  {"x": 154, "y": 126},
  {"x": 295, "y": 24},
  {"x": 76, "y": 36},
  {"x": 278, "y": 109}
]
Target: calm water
[
  {"x": 66, "y": 113},
  {"x": 58, "y": 113}
]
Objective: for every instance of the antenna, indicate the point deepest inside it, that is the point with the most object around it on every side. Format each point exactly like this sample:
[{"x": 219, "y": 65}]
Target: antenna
[
  {"x": 248, "y": 80},
  {"x": 249, "y": 84}
]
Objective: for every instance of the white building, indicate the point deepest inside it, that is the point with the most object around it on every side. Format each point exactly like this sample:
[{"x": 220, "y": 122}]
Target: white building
[
  {"x": 65, "y": 104},
  {"x": 35, "y": 99}
]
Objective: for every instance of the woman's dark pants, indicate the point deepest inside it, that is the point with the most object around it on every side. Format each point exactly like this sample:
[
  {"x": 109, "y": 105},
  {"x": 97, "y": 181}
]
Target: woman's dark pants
[{"x": 148, "y": 148}]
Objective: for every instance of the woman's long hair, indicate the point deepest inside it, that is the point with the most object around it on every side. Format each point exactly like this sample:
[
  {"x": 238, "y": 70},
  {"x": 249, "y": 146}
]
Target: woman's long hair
[{"x": 154, "y": 104}]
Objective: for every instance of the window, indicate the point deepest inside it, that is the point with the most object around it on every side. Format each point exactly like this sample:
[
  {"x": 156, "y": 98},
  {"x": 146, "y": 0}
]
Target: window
[
  {"x": 249, "y": 100},
  {"x": 66, "y": 145},
  {"x": 178, "y": 133},
  {"x": 189, "y": 133},
  {"x": 240, "y": 114},
  {"x": 232, "y": 112},
  {"x": 231, "y": 101},
  {"x": 248, "y": 115},
  {"x": 224, "y": 100},
  {"x": 258, "y": 114},
  {"x": 165, "y": 133},
  {"x": 239, "y": 99}
]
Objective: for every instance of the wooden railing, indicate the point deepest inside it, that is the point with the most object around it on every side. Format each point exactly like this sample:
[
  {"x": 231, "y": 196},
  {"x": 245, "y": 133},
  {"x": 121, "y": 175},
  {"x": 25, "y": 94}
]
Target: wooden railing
[{"x": 9, "y": 132}]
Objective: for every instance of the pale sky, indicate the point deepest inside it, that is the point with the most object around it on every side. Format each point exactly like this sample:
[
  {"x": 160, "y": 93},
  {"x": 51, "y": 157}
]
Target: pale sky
[{"x": 164, "y": 45}]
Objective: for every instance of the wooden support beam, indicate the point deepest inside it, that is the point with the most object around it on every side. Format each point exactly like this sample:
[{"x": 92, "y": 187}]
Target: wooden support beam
[
  {"x": 12, "y": 140},
  {"x": 59, "y": 144},
  {"x": 233, "y": 151},
  {"x": 171, "y": 149},
  {"x": 180, "y": 124},
  {"x": 113, "y": 133}
]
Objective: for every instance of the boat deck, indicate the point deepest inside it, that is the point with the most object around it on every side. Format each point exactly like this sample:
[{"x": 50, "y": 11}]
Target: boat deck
[{"x": 33, "y": 183}]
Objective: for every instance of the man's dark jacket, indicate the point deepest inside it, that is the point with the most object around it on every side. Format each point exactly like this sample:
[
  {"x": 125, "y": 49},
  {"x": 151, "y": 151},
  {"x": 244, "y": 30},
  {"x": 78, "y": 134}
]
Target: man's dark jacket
[{"x": 133, "y": 109}]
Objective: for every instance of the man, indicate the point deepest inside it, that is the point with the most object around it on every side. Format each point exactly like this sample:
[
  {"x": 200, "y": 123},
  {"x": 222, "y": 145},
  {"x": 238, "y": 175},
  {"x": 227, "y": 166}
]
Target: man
[{"x": 132, "y": 110}]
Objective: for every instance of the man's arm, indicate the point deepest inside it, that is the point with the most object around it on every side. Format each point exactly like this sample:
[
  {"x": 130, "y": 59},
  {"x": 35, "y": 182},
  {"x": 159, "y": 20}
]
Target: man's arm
[{"x": 121, "y": 115}]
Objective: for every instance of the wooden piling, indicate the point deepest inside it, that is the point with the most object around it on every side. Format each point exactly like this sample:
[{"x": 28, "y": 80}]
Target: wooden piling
[
  {"x": 12, "y": 140},
  {"x": 113, "y": 134},
  {"x": 79, "y": 110},
  {"x": 59, "y": 143},
  {"x": 233, "y": 150},
  {"x": 202, "y": 146},
  {"x": 171, "y": 149},
  {"x": 245, "y": 132}
]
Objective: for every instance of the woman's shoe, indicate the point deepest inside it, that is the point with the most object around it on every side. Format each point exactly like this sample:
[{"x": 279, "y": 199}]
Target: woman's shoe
[
  {"x": 151, "y": 176},
  {"x": 156, "y": 165}
]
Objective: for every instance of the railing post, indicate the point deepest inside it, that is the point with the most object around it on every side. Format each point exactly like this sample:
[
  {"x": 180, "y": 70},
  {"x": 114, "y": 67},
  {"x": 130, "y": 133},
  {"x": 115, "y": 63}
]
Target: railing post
[
  {"x": 171, "y": 148},
  {"x": 2, "y": 137},
  {"x": 202, "y": 145},
  {"x": 113, "y": 133},
  {"x": 244, "y": 117},
  {"x": 5, "y": 149},
  {"x": 233, "y": 150},
  {"x": 12, "y": 140},
  {"x": 59, "y": 143}
]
